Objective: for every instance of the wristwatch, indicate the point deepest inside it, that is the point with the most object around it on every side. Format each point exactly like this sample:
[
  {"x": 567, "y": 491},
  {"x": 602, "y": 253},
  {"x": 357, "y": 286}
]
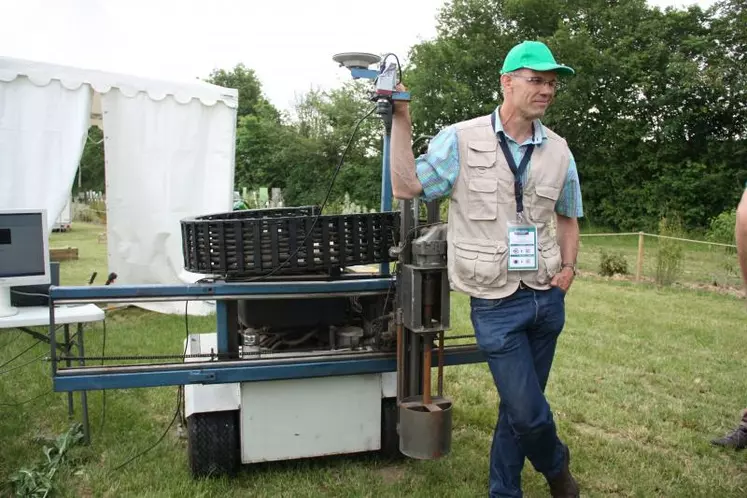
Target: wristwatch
[{"x": 572, "y": 266}]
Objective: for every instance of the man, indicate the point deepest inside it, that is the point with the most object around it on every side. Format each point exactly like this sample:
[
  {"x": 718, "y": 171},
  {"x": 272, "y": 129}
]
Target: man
[
  {"x": 737, "y": 439},
  {"x": 502, "y": 252}
]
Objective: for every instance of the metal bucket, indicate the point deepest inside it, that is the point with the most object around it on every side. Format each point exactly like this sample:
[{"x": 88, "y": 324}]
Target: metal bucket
[{"x": 425, "y": 434}]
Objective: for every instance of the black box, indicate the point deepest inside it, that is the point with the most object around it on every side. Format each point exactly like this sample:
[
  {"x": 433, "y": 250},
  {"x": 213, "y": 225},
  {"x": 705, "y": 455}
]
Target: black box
[{"x": 23, "y": 300}]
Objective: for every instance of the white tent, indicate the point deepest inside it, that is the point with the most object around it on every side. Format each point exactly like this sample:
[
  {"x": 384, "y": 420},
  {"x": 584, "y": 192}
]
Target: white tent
[{"x": 169, "y": 149}]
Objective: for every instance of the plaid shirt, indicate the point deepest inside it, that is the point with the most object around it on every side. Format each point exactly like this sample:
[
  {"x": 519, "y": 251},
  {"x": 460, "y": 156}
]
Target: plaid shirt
[{"x": 437, "y": 169}]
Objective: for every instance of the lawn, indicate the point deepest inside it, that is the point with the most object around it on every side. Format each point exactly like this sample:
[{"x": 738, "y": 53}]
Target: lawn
[{"x": 644, "y": 377}]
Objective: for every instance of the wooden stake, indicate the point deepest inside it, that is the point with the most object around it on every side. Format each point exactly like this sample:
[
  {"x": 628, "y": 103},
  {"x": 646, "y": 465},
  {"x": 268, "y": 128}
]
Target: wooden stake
[{"x": 639, "y": 262}]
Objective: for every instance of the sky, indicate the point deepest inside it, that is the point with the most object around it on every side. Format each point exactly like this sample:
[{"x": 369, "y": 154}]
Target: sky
[{"x": 289, "y": 43}]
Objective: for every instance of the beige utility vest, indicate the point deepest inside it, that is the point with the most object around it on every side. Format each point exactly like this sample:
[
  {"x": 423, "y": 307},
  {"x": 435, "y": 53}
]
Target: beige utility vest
[{"x": 483, "y": 202}]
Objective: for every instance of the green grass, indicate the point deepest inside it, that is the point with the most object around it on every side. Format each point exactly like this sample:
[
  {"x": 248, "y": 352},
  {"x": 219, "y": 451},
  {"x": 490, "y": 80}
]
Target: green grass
[
  {"x": 92, "y": 254},
  {"x": 644, "y": 377}
]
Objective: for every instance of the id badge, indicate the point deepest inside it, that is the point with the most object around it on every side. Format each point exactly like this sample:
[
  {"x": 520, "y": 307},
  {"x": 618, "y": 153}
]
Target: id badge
[{"x": 522, "y": 247}]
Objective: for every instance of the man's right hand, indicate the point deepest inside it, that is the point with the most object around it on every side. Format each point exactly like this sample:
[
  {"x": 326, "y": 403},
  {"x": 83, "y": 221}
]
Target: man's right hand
[{"x": 401, "y": 108}]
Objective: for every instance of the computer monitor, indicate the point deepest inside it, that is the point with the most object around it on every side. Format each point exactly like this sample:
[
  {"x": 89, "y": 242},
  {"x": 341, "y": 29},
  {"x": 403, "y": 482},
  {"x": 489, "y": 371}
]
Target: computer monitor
[{"x": 24, "y": 252}]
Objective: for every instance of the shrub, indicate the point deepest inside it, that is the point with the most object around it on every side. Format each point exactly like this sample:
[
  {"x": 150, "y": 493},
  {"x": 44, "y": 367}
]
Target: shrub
[
  {"x": 669, "y": 258},
  {"x": 721, "y": 228},
  {"x": 612, "y": 264}
]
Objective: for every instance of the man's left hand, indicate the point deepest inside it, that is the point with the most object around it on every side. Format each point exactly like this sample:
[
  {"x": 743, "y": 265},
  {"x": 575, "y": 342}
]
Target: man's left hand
[{"x": 563, "y": 279}]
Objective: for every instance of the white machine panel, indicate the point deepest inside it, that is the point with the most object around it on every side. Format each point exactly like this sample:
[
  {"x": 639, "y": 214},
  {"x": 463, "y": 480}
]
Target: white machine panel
[
  {"x": 199, "y": 398},
  {"x": 300, "y": 418}
]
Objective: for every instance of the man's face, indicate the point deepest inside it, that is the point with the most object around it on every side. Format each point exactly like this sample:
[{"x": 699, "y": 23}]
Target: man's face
[{"x": 530, "y": 92}]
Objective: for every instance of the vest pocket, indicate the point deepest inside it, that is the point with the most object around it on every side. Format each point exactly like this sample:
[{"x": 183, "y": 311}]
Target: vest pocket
[
  {"x": 482, "y": 203},
  {"x": 548, "y": 264},
  {"x": 543, "y": 205},
  {"x": 481, "y": 154},
  {"x": 483, "y": 262}
]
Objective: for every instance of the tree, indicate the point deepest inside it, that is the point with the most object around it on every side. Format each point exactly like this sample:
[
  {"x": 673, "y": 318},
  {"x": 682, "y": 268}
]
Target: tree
[
  {"x": 91, "y": 168},
  {"x": 324, "y": 122},
  {"x": 655, "y": 115},
  {"x": 259, "y": 131},
  {"x": 252, "y": 101}
]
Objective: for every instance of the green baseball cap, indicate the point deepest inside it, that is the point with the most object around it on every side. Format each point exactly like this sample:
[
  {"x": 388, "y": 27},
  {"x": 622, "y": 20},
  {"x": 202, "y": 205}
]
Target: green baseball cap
[{"x": 533, "y": 55}]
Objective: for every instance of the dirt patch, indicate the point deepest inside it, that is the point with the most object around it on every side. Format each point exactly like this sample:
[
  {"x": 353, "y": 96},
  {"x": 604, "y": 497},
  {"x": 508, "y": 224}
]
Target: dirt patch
[
  {"x": 391, "y": 474},
  {"x": 733, "y": 291}
]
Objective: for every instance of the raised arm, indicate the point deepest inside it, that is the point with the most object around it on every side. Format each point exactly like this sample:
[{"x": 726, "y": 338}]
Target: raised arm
[{"x": 405, "y": 183}]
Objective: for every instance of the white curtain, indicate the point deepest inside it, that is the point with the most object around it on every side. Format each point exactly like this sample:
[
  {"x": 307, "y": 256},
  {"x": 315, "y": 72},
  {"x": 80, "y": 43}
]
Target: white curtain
[
  {"x": 43, "y": 129},
  {"x": 164, "y": 161}
]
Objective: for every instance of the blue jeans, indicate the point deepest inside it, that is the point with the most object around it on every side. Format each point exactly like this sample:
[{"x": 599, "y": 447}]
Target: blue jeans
[{"x": 518, "y": 335}]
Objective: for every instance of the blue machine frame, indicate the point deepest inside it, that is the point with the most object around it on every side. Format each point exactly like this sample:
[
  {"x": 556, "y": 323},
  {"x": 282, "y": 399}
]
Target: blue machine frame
[{"x": 227, "y": 371}]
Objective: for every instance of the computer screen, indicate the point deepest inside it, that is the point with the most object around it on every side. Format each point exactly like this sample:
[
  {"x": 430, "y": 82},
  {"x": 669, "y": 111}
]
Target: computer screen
[
  {"x": 22, "y": 245},
  {"x": 24, "y": 252}
]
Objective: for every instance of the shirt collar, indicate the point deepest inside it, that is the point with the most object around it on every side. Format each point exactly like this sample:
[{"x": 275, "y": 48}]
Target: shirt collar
[{"x": 538, "y": 130}]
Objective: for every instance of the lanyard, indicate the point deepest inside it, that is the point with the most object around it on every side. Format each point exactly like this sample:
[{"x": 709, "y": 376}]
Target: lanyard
[{"x": 517, "y": 171}]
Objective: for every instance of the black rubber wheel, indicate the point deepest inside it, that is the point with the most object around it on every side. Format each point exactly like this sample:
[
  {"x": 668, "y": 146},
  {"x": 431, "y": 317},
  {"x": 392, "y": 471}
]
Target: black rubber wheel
[
  {"x": 389, "y": 434},
  {"x": 213, "y": 443}
]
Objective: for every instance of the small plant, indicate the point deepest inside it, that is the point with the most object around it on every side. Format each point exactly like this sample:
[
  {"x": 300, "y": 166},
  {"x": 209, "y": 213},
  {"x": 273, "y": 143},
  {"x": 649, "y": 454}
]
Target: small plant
[
  {"x": 669, "y": 258},
  {"x": 721, "y": 230},
  {"x": 37, "y": 481},
  {"x": 722, "y": 226},
  {"x": 613, "y": 264}
]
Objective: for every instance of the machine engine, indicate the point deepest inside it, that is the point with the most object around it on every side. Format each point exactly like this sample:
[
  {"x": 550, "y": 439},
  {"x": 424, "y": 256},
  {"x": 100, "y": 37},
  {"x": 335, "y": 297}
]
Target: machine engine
[{"x": 316, "y": 324}]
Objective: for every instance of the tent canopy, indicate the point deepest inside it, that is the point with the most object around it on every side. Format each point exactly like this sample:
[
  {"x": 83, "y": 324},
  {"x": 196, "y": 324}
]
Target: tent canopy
[
  {"x": 169, "y": 147},
  {"x": 42, "y": 73}
]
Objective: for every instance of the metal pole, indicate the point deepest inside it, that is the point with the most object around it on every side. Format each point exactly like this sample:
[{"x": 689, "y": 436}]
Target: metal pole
[
  {"x": 83, "y": 394},
  {"x": 441, "y": 364},
  {"x": 227, "y": 318},
  {"x": 400, "y": 356},
  {"x": 68, "y": 363},
  {"x": 427, "y": 355},
  {"x": 52, "y": 337},
  {"x": 386, "y": 177},
  {"x": 386, "y": 186}
]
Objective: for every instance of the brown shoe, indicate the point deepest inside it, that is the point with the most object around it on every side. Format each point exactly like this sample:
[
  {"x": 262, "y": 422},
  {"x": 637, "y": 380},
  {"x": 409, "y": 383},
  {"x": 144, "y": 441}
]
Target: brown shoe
[
  {"x": 736, "y": 439},
  {"x": 564, "y": 485}
]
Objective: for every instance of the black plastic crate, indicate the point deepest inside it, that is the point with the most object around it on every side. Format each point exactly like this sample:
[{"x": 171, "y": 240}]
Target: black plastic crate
[{"x": 260, "y": 241}]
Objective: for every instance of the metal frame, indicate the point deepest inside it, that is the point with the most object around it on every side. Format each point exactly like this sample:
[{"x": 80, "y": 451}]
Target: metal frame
[{"x": 83, "y": 378}]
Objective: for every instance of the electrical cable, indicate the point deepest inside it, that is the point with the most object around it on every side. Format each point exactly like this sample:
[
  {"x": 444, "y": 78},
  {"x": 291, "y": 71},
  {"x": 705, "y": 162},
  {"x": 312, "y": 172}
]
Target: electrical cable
[
  {"x": 21, "y": 354},
  {"x": 183, "y": 418},
  {"x": 46, "y": 393},
  {"x": 103, "y": 393},
  {"x": 176, "y": 414},
  {"x": 179, "y": 404},
  {"x": 46, "y": 296},
  {"x": 2, "y": 372},
  {"x": 399, "y": 66},
  {"x": 11, "y": 341},
  {"x": 321, "y": 209}
]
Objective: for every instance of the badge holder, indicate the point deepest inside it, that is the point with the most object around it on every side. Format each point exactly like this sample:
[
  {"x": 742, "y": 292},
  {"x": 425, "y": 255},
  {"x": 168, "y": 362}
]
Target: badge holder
[{"x": 522, "y": 246}]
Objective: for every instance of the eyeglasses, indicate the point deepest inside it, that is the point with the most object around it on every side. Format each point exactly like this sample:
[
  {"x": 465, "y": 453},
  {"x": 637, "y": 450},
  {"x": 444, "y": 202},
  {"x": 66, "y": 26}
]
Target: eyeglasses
[{"x": 537, "y": 81}]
